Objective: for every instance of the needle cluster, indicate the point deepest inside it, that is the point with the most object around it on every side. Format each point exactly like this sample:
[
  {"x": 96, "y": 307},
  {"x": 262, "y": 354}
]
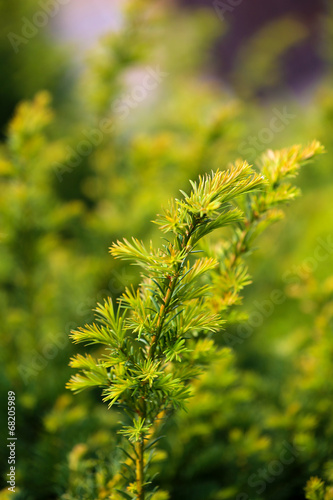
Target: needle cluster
[{"x": 158, "y": 337}]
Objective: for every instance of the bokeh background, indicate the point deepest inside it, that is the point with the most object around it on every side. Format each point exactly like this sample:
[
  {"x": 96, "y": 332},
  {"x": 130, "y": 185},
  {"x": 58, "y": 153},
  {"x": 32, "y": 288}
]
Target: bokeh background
[{"x": 107, "y": 108}]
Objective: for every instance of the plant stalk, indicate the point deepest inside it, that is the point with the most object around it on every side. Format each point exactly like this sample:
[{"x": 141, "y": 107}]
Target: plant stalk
[
  {"x": 140, "y": 469},
  {"x": 168, "y": 296}
]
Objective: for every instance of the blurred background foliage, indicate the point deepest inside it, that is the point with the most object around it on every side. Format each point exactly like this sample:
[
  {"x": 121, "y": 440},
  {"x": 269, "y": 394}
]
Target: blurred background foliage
[{"x": 95, "y": 140}]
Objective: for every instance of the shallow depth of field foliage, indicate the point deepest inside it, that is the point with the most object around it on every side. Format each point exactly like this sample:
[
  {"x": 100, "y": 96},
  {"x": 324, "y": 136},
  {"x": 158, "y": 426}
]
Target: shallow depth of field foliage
[
  {"x": 159, "y": 337},
  {"x": 268, "y": 392}
]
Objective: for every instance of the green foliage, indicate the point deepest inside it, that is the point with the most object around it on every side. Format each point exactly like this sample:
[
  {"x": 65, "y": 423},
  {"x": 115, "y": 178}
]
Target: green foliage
[
  {"x": 316, "y": 490},
  {"x": 149, "y": 359},
  {"x": 23, "y": 44},
  {"x": 60, "y": 209}
]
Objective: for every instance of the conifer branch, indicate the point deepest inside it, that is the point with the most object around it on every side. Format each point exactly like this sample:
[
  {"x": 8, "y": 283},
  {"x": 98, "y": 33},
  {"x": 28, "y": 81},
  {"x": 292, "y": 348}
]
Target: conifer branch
[
  {"x": 170, "y": 290},
  {"x": 154, "y": 340}
]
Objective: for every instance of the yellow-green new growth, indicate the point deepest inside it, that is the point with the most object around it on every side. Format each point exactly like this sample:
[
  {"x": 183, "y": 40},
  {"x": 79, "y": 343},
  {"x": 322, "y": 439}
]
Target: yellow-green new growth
[{"x": 151, "y": 340}]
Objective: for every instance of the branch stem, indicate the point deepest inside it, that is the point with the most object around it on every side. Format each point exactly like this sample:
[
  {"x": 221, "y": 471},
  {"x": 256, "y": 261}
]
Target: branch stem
[
  {"x": 140, "y": 469},
  {"x": 169, "y": 294}
]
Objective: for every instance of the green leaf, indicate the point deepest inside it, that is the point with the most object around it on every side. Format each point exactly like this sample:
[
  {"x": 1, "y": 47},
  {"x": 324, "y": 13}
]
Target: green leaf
[
  {"x": 153, "y": 442},
  {"x": 93, "y": 334},
  {"x": 125, "y": 495},
  {"x": 135, "y": 432},
  {"x": 113, "y": 321},
  {"x": 117, "y": 388},
  {"x": 86, "y": 380}
]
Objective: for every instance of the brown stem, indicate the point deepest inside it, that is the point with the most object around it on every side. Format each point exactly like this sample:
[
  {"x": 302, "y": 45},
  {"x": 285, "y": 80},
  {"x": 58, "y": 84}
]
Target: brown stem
[
  {"x": 168, "y": 296},
  {"x": 162, "y": 314},
  {"x": 140, "y": 469}
]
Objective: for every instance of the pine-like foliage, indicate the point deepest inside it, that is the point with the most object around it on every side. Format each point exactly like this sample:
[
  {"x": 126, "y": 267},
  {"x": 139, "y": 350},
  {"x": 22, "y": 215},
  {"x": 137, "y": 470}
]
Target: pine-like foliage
[
  {"x": 158, "y": 338},
  {"x": 316, "y": 490}
]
